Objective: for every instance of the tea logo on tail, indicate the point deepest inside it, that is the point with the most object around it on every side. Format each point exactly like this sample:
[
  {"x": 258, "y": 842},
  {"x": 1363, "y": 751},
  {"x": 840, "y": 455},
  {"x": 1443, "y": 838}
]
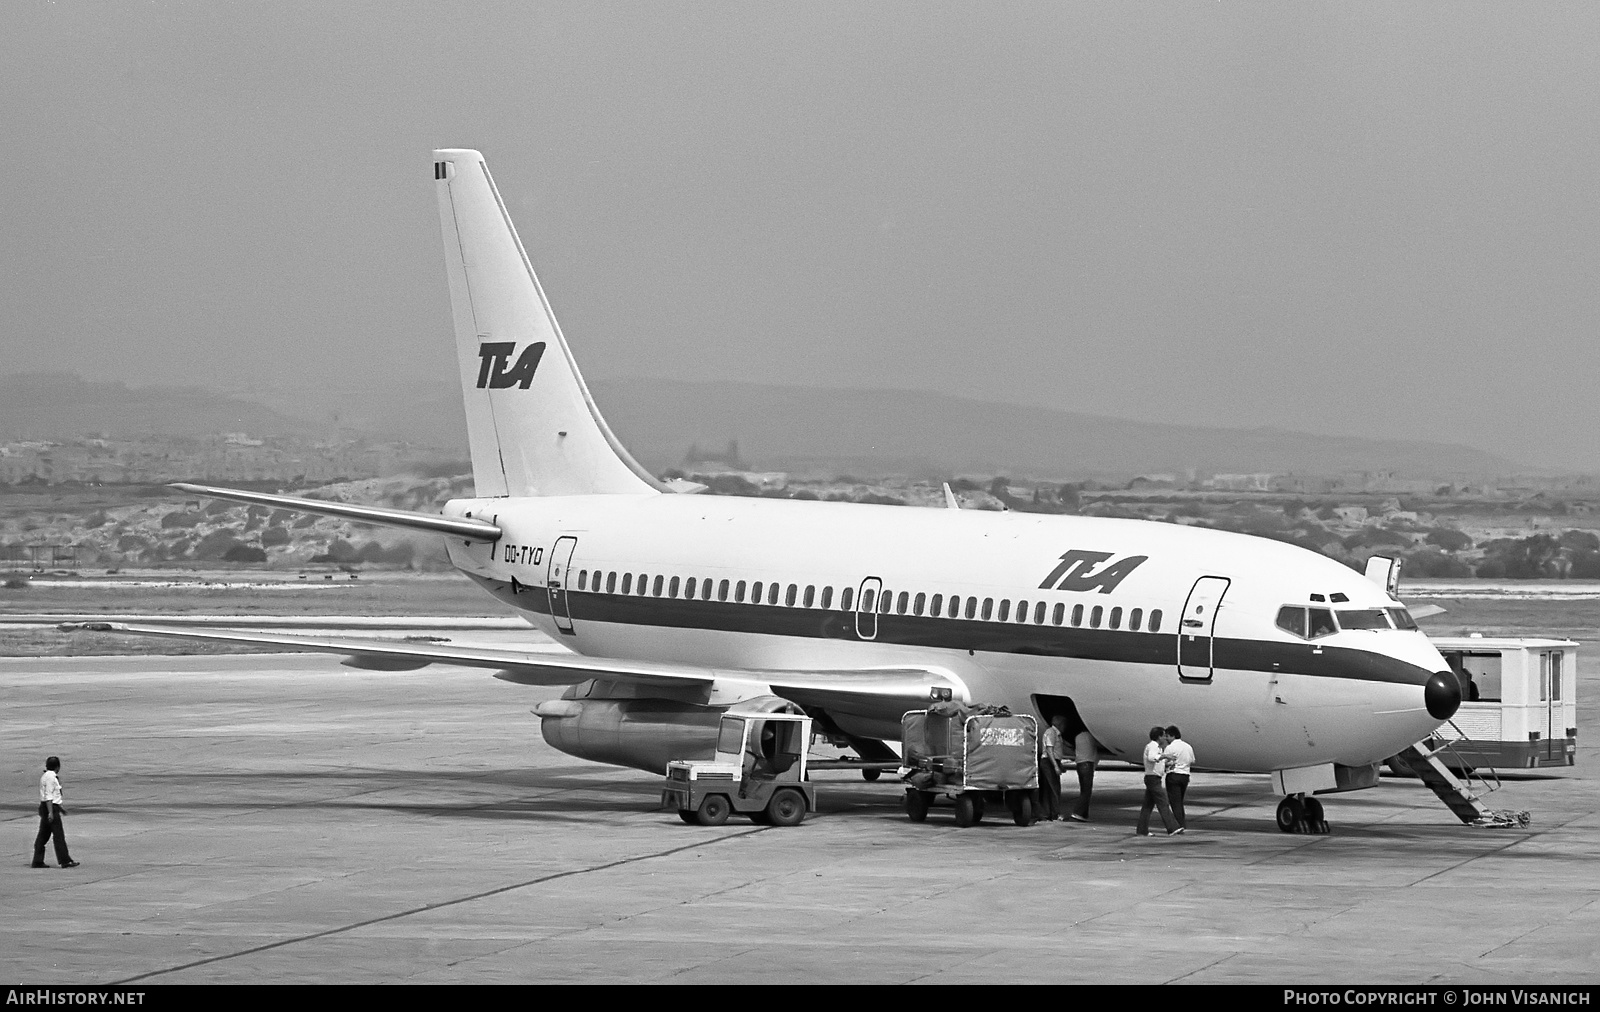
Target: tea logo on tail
[
  {"x": 492, "y": 359},
  {"x": 1076, "y": 572}
]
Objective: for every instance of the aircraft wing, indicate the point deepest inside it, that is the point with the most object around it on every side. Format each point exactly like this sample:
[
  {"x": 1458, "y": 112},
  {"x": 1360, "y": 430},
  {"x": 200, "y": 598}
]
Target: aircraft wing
[{"x": 890, "y": 685}]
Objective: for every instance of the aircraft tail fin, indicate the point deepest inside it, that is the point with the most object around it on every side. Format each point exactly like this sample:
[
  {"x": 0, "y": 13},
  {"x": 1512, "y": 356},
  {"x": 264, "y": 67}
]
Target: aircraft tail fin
[{"x": 533, "y": 427}]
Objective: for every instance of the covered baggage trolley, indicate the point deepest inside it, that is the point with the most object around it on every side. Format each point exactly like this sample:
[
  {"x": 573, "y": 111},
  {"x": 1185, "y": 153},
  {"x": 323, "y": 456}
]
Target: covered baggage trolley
[{"x": 972, "y": 755}]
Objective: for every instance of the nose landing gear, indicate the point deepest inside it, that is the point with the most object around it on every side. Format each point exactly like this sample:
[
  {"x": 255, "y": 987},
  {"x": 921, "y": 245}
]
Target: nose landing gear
[{"x": 1300, "y": 814}]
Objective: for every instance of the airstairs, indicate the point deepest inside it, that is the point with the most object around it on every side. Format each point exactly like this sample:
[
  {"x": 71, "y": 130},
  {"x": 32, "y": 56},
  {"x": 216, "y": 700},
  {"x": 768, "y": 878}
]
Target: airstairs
[{"x": 1461, "y": 787}]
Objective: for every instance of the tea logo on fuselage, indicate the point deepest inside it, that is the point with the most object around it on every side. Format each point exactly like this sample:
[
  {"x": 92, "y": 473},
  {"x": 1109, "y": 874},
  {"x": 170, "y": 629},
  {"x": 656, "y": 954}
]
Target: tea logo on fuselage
[
  {"x": 1076, "y": 572},
  {"x": 492, "y": 359}
]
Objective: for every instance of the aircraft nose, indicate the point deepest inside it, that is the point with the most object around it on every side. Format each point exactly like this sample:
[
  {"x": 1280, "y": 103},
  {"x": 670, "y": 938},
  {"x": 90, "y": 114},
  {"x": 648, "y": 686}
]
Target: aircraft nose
[{"x": 1442, "y": 695}]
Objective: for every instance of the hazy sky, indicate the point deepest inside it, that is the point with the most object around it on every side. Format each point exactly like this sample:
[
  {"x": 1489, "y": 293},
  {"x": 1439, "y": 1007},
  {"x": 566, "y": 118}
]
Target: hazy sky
[{"x": 1366, "y": 219}]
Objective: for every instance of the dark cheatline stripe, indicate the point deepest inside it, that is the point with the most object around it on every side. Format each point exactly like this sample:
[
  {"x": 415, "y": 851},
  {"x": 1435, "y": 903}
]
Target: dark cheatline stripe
[{"x": 962, "y": 634}]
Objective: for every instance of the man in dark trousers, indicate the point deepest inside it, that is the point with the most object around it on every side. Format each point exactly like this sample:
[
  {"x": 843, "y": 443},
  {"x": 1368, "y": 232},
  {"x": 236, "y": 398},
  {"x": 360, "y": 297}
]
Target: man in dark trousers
[
  {"x": 1179, "y": 758},
  {"x": 1052, "y": 749},
  {"x": 1155, "y": 787},
  {"x": 50, "y": 812},
  {"x": 1086, "y": 753}
]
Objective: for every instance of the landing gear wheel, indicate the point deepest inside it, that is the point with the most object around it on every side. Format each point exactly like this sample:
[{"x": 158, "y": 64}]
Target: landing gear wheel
[
  {"x": 713, "y": 810},
  {"x": 1314, "y": 820},
  {"x": 687, "y": 817},
  {"x": 1290, "y": 812},
  {"x": 967, "y": 811},
  {"x": 917, "y": 804},
  {"x": 871, "y": 776},
  {"x": 787, "y": 808}
]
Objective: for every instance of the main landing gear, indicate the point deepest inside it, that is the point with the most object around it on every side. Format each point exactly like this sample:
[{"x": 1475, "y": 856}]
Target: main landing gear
[{"x": 1300, "y": 814}]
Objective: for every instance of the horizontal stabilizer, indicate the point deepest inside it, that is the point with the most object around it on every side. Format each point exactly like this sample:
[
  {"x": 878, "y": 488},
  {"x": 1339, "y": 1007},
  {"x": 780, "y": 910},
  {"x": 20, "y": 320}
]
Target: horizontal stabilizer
[{"x": 433, "y": 523}]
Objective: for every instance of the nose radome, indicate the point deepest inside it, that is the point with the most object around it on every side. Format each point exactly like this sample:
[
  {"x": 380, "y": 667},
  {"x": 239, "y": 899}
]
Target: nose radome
[{"x": 1442, "y": 695}]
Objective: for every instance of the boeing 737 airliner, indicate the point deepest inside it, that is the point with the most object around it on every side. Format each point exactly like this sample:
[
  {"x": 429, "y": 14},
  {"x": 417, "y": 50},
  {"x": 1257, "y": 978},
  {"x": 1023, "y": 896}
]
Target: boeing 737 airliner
[{"x": 678, "y": 607}]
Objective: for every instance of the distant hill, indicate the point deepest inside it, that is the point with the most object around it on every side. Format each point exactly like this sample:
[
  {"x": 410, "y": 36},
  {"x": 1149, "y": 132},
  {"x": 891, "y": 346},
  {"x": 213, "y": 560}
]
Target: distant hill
[
  {"x": 778, "y": 428},
  {"x": 61, "y": 406}
]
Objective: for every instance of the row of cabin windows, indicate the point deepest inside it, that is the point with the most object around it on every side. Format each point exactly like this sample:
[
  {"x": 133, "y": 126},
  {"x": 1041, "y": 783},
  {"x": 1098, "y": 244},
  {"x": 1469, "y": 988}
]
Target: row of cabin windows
[{"x": 884, "y": 602}]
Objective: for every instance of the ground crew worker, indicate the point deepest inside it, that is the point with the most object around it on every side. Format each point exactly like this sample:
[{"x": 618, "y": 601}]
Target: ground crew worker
[
  {"x": 1155, "y": 787},
  {"x": 1179, "y": 758},
  {"x": 1052, "y": 751},
  {"x": 1086, "y": 753},
  {"x": 50, "y": 812}
]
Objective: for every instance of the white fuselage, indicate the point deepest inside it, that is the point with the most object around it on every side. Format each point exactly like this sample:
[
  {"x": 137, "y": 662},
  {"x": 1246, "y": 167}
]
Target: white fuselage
[{"x": 1272, "y": 700}]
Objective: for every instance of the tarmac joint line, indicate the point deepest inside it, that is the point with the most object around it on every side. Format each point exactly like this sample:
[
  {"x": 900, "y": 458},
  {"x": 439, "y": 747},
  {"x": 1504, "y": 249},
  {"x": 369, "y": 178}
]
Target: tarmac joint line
[{"x": 440, "y": 905}]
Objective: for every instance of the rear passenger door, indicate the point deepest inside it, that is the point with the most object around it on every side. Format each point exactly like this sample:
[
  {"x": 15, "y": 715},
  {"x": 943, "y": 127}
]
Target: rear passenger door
[{"x": 867, "y": 608}]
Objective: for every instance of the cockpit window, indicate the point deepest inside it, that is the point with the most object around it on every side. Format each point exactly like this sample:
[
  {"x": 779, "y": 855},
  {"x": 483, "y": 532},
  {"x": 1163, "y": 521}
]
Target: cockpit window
[
  {"x": 1363, "y": 618},
  {"x": 1321, "y": 623},
  {"x": 1402, "y": 618},
  {"x": 1292, "y": 620}
]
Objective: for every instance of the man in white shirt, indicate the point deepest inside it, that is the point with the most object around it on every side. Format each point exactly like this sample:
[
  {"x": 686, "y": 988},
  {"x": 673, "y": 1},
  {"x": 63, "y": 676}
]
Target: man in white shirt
[
  {"x": 1155, "y": 788},
  {"x": 50, "y": 812},
  {"x": 1179, "y": 758},
  {"x": 1052, "y": 750}
]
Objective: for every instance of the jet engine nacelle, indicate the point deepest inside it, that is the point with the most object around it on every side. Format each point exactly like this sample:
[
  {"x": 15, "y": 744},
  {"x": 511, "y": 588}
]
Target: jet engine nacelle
[{"x": 643, "y": 733}]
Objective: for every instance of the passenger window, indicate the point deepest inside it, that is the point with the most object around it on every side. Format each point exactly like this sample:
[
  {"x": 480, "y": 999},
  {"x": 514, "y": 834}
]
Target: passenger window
[
  {"x": 583, "y": 578},
  {"x": 755, "y": 592},
  {"x": 936, "y": 606},
  {"x": 1038, "y": 613},
  {"x": 885, "y": 602},
  {"x": 722, "y": 591},
  {"x": 1155, "y": 620},
  {"x": 738, "y": 593},
  {"x": 1094, "y": 617},
  {"x": 1134, "y": 618},
  {"x": 627, "y": 583},
  {"x": 1116, "y": 618},
  {"x": 955, "y": 605},
  {"x": 844, "y": 598},
  {"x": 772, "y": 593},
  {"x": 1077, "y": 614},
  {"x": 789, "y": 597},
  {"x": 1022, "y": 611},
  {"x": 688, "y": 588},
  {"x": 988, "y": 608},
  {"x": 672, "y": 588},
  {"x": 867, "y": 599},
  {"x": 903, "y": 603},
  {"x": 611, "y": 583},
  {"x": 1005, "y": 608},
  {"x": 1059, "y": 614},
  {"x": 657, "y": 589},
  {"x": 972, "y": 607},
  {"x": 827, "y": 597},
  {"x": 705, "y": 589},
  {"x": 1322, "y": 623},
  {"x": 1292, "y": 620},
  {"x": 811, "y": 594},
  {"x": 644, "y": 585},
  {"x": 917, "y": 603}
]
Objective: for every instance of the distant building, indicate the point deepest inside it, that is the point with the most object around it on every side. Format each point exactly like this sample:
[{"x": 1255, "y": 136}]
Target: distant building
[{"x": 1241, "y": 482}]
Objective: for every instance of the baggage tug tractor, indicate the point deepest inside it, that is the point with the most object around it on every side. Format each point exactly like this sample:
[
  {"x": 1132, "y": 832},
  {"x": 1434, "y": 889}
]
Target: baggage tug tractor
[{"x": 759, "y": 771}]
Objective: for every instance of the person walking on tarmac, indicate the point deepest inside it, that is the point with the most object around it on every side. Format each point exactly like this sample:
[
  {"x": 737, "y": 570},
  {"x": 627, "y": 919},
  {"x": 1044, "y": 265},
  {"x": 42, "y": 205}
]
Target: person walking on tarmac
[
  {"x": 50, "y": 812},
  {"x": 1180, "y": 757},
  {"x": 1086, "y": 753},
  {"x": 1051, "y": 752},
  {"x": 1155, "y": 788}
]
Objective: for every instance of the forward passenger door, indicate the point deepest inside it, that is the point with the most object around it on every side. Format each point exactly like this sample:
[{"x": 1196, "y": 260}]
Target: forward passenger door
[{"x": 1197, "y": 626}]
